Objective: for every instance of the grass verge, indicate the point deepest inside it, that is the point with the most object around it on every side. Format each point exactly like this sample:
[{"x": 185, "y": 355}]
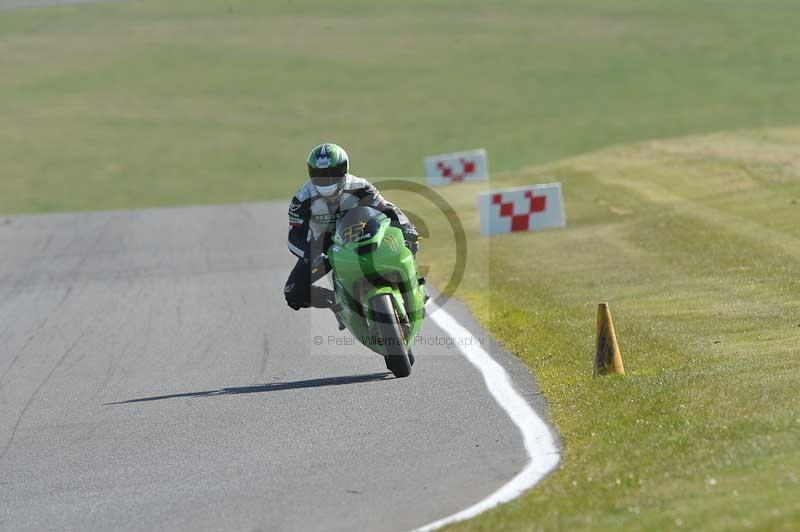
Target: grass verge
[{"x": 695, "y": 244}]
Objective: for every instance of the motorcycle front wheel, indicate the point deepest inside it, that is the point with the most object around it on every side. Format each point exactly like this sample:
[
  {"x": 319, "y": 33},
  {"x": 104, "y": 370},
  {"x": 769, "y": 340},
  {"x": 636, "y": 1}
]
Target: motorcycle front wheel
[{"x": 395, "y": 352}]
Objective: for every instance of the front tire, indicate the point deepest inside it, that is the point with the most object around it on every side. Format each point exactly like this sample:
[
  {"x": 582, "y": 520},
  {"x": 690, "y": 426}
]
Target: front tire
[{"x": 391, "y": 334}]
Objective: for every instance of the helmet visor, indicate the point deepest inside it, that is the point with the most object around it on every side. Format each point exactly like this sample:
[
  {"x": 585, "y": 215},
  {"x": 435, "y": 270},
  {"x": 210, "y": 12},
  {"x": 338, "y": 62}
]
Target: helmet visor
[{"x": 327, "y": 176}]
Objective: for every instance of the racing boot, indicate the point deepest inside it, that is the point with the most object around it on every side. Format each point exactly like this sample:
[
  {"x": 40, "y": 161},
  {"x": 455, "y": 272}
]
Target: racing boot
[{"x": 322, "y": 297}]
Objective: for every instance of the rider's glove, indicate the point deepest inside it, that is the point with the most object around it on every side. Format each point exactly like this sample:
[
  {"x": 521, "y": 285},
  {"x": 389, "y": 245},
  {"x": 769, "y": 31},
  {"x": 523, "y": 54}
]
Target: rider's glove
[{"x": 411, "y": 236}]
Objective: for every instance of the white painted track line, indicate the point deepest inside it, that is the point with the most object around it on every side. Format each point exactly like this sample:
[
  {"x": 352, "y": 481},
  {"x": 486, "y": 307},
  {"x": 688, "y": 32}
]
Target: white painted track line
[{"x": 539, "y": 442}]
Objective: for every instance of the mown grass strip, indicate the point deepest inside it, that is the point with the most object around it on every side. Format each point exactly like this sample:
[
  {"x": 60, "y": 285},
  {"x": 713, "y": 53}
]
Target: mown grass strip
[{"x": 147, "y": 103}]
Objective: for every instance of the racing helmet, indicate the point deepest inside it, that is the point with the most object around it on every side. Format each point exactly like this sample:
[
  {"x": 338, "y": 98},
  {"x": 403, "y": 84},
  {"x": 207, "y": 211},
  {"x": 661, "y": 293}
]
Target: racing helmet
[{"x": 328, "y": 165}]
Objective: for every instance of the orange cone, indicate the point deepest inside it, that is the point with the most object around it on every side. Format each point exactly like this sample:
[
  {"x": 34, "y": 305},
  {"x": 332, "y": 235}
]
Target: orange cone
[{"x": 607, "y": 358}]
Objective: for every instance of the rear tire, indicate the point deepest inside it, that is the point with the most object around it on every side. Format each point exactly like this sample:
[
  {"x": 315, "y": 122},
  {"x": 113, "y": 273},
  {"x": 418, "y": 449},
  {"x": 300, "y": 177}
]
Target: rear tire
[{"x": 389, "y": 331}]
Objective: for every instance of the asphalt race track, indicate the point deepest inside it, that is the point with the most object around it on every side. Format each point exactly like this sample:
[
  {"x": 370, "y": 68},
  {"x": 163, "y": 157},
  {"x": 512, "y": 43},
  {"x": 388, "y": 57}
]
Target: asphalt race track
[{"x": 152, "y": 377}]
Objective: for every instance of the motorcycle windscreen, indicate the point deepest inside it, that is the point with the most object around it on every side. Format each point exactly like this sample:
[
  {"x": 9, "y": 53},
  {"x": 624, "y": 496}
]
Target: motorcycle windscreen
[{"x": 359, "y": 224}]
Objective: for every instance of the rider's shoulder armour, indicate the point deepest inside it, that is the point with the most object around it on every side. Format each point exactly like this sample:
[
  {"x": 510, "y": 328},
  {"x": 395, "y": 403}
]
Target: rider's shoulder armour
[{"x": 306, "y": 192}]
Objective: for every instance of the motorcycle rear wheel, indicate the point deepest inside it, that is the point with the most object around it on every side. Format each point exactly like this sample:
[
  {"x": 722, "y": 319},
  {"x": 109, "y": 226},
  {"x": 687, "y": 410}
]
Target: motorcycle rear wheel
[{"x": 395, "y": 352}]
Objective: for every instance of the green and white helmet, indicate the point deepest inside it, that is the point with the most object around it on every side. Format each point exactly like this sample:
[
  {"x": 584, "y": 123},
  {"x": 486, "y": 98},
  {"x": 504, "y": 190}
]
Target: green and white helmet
[{"x": 327, "y": 167}]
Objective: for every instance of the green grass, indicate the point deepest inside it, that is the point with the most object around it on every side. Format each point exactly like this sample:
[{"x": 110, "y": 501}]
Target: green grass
[
  {"x": 693, "y": 241},
  {"x": 157, "y": 103},
  {"x": 695, "y": 244}
]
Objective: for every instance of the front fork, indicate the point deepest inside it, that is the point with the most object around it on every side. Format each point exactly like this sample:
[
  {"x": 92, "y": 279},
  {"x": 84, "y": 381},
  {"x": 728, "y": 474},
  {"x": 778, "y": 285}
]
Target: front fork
[{"x": 399, "y": 307}]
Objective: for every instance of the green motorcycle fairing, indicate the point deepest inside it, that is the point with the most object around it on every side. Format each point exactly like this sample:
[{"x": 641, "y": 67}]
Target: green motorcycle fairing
[{"x": 369, "y": 258}]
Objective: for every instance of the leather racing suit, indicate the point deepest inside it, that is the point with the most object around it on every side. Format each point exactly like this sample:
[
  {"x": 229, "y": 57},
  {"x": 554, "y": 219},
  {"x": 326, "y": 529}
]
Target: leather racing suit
[{"x": 312, "y": 220}]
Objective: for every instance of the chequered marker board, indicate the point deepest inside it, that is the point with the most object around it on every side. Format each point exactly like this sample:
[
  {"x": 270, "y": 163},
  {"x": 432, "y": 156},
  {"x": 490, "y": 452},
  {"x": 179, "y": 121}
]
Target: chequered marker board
[
  {"x": 472, "y": 165},
  {"x": 530, "y": 208}
]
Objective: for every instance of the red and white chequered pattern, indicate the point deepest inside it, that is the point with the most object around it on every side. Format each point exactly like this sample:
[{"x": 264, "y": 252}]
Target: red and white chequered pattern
[
  {"x": 456, "y": 167},
  {"x": 522, "y": 209},
  {"x": 520, "y": 214},
  {"x": 456, "y": 172}
]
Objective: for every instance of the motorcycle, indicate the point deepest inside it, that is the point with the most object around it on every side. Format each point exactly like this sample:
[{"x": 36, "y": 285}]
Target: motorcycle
[{"x": 379, "y": 295}]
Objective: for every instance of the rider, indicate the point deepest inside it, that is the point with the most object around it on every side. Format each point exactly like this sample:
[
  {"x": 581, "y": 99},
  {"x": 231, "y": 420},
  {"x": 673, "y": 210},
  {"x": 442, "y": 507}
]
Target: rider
[{"x": 327, "y": 195}]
